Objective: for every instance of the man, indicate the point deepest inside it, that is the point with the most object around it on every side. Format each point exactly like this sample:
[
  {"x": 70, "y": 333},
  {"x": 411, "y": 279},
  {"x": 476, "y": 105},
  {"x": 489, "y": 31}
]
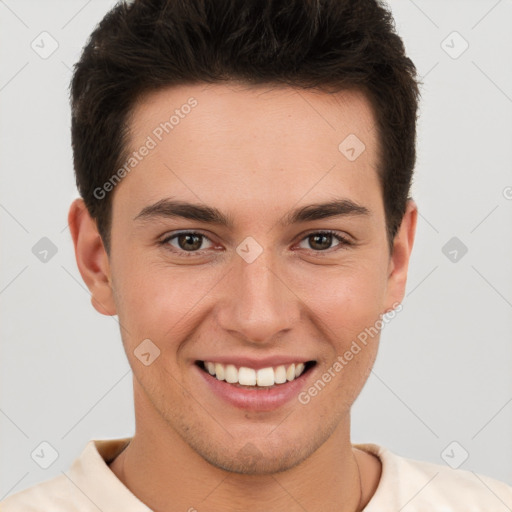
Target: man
[{"x": 244, "y": 170}]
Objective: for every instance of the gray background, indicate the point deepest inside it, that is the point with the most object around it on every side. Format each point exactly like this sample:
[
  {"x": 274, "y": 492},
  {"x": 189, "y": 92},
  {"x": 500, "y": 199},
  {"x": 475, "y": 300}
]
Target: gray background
[{"x": 443, "y": 372}]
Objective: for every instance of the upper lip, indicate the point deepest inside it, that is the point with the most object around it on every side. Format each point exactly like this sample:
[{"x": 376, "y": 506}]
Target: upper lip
[{"x": 256, "y": 364}]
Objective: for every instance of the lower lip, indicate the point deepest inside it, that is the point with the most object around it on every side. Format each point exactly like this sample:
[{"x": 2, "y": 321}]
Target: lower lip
[{"x": 264, "y": 399}]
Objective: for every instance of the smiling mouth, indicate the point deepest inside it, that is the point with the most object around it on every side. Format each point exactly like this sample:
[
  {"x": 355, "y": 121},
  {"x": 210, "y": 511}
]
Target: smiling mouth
[{"x": 249, "y": 378}]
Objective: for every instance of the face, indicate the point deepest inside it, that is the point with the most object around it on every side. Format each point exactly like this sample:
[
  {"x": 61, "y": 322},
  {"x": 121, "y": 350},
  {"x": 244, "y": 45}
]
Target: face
[{"x": 259, "y": 275}]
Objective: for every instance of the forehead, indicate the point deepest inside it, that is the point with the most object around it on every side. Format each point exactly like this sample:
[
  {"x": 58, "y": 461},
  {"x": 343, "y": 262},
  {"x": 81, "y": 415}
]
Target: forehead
[
  {"x": 299, "y": 112},
  {"x": 277, "y": 142}
]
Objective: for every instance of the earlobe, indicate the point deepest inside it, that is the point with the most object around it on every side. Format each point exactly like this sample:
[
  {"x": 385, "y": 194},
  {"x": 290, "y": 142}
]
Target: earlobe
[
  {"x": 400, "y": 257},
  {"x": 91, "y": 258}
]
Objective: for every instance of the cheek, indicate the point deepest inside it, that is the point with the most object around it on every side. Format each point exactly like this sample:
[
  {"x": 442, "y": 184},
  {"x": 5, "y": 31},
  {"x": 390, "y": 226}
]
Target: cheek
[
  {"x": 156, "y": 300},
  {"x": 347, "y": 298},
  {"x": 347, "y": 312}
]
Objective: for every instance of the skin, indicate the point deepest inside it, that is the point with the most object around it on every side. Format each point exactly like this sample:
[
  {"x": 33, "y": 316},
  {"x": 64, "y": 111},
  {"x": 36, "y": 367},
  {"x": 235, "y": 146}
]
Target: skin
[{"x": 255, "y": 153}]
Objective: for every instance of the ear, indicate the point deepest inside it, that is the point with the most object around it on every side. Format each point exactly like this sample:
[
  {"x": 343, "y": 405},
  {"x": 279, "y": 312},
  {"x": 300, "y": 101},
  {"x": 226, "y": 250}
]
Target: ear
[
  {"x": 399, "y": 259},
  {"x": 91, "y": 257}
]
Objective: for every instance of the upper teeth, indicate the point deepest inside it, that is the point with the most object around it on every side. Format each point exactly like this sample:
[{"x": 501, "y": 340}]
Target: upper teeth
[{"x": 250, "y": 377}]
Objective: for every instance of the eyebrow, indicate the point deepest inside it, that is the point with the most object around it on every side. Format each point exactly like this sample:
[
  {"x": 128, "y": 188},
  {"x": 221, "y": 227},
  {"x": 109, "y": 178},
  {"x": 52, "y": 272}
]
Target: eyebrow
[{"x": 170, "y": 208}]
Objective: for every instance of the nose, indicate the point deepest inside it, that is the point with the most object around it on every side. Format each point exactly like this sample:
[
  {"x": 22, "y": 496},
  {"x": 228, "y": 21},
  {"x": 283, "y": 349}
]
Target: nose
[{"x": 260, "y": 304}]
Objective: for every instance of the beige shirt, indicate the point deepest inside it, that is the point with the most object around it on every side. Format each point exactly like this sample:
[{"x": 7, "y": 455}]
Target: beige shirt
[{"x": 406, "y": 485}]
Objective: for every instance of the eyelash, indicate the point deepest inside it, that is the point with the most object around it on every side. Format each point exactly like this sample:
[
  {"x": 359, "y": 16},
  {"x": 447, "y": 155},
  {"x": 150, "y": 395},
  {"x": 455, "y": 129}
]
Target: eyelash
[{"x": 344, "y": 242}]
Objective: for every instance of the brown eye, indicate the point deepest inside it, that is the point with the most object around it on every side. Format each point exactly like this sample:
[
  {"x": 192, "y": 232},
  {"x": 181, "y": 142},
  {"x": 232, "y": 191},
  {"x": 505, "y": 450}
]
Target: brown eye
[
  {"x": 320, "y": 241},
  {"x": 187, "y": 242},
  {"x": 323, "y": 240}
]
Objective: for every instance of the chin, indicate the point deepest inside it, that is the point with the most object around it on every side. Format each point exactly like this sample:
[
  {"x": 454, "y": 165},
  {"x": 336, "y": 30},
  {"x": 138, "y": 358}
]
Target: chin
[
  {"x": 250, "y": 460},
  {"x": 264, "y": 453}
]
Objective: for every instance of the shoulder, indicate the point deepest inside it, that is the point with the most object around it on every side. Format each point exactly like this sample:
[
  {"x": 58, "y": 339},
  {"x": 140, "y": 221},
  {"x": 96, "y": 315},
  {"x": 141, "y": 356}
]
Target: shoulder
[
  {"x": 88, "y": 485},
  {"x": 53, "y": 495},
  {"x": 411, "y": 486}
]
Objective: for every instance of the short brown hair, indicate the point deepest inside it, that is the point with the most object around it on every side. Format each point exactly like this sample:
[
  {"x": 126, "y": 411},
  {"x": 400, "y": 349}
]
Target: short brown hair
[{"x": 146, "y": 45}]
